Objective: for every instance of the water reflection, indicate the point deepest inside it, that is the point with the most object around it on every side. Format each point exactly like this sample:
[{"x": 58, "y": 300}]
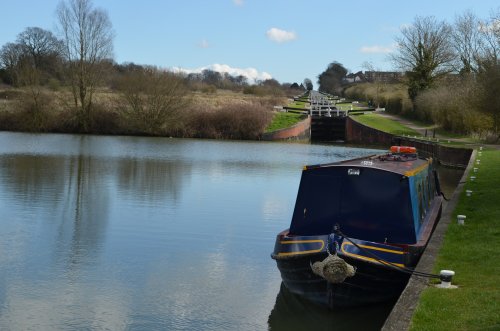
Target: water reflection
[
  {"x": 449, "y": 178},
  {"x": 152, "y": 181},
  {"x": 292, "y": 312},
  {"x": 146, "y": 233}
]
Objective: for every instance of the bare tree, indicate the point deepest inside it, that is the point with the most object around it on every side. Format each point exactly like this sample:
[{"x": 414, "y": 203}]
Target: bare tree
[
  {"x": 425, "y": 53},
  {"x": 88, "y": 40},
  {"x": 34, "y": 49},
  {"x": 10, "y": 55},
  {"x": 467, "y": 41},
  {"x": 154, "y": 100},
  {"x": 39, "y": 45},
  {"x": 490, "y": 31}
]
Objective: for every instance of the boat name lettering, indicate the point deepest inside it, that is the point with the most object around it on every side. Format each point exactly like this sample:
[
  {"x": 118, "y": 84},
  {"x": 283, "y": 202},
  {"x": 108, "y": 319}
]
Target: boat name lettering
[
  {"x": 367, "y": 163},
  {"x": 353, "y": 172}
]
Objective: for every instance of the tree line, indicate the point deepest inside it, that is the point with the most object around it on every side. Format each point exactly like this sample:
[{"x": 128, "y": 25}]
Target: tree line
[
  {"x": 63, "y": 71},
  {"x": 451, "y": 73}
]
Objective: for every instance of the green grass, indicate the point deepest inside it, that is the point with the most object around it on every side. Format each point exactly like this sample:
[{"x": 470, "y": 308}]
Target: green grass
[
  {"x": 383, "y": 124},
  {"x": 297, "y": 104},
  {"x": 284, "y": 120},
  {"x": 473, "y": 252}
]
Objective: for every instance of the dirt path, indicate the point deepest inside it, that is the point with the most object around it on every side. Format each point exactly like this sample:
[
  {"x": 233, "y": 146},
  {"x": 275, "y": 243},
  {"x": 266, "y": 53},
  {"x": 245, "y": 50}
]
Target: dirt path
[{"x": 430, "y": 131}]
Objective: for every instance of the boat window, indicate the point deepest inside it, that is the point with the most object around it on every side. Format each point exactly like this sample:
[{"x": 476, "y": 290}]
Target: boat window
[
  {"x": 377, "y": 206},
  {"x": 374, "y": 205}
]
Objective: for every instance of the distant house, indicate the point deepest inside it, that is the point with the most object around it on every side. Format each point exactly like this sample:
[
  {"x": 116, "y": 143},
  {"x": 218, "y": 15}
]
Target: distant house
[
  {"x": 355, "y": 78},
  {"x": 383, "y": 76}
]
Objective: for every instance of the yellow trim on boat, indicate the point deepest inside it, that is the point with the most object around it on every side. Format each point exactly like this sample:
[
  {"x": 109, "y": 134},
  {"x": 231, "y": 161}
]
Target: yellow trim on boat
[
  {"x": 361, "y": 257},
  {"x": 302, "y": 242},
  {"x": 416, "y": 170},
  {"x": 374, "y": 247}
]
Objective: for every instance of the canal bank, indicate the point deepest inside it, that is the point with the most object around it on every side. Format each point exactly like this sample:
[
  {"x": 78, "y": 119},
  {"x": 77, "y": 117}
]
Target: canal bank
[
  {"x": 402, "y": 313},
  {"x": 470, "y": 250}
]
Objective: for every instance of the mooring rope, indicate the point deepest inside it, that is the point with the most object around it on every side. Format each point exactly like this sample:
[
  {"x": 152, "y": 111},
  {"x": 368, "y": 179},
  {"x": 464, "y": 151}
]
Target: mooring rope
[{"x": 387, "y": 263}]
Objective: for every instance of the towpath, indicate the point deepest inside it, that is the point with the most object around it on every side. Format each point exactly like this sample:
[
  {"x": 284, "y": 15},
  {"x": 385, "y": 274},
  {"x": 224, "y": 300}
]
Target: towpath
[{"x": 422, "y": 130}]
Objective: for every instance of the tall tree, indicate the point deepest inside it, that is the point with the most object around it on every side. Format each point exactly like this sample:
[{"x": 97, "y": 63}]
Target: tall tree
[
  {"x": 425, "y": 53},
  {"x": 36, "y": 53},
  {"x": 330, "y": 80},
  {"x": 490, "y": 31},
  {"x": 308, "y": 84},
  {"x": 10, "y": 57},
  {"x": 88, "y": 40},
  {"x": 467, "y": 39},
  {"x": 39, "y": 45}
]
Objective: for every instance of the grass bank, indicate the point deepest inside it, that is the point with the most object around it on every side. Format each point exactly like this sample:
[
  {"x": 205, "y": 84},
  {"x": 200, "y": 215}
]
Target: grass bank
[
  {"x": 473, "y": 252},
  {"x": 283, "y": 120},
  {"x": 384, "y": 124}
]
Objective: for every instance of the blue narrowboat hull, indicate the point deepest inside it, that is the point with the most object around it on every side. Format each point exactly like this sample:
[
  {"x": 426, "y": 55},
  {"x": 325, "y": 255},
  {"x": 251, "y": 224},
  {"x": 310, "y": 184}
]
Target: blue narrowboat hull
[
  {"x": 376, "y": 213},
  {"x": 371, "y": 284},
  {"x": 378, "y": 276}
]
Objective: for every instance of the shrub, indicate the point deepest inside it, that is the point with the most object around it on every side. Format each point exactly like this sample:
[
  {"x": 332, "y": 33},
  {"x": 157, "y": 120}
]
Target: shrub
[
  {"x": 228, "y": 122},
  {"x": 152, "y": 101},
  {"x": 452, "y": 106},
  {"x": 392, "y": 97}
]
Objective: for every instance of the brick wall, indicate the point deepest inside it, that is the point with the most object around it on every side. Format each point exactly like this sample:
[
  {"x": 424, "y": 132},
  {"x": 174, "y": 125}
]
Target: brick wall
[{"x": 299, "y": 131}]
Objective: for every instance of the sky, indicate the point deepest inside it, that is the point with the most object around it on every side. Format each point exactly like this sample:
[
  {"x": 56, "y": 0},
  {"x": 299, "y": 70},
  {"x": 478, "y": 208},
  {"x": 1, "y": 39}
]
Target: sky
[{"x": 288, "y": 40}]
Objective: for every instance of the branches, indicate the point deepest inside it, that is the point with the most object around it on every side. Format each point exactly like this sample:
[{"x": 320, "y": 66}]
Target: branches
[
  {"x": 425, "y": 53},
  {"x": 88, "y": 41},
  {"x": 154, "y": 100}
]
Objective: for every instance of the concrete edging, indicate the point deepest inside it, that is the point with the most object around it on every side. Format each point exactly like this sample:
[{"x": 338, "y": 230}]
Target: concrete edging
[{"x": 402, "y": 313}]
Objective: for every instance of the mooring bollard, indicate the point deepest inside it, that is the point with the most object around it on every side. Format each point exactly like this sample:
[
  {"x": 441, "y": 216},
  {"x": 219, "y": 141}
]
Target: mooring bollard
[
  {"x": 475, "y": 169},
  {"x": 461, "y": 219},
  {"x": 445, "y": 276},
  {"x": 472, "y": 178},
  {"x": 468, "y": 193}
]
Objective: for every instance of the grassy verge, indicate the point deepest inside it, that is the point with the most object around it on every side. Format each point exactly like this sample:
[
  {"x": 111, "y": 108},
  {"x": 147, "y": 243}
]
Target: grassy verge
[
  {"x": 284, "y": 120},
  {"x": 473, "y": 252},
  {"x": 383, "y": 124},
  {"x": 297, "y": 104}
]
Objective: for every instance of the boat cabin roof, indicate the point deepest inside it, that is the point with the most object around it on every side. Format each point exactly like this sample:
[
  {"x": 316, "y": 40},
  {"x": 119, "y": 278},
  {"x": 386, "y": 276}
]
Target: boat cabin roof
[{"x": 403, "y": 165}]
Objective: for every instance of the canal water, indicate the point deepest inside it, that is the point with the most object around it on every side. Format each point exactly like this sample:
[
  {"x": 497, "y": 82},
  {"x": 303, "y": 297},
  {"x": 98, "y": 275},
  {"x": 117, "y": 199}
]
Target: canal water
[{"x": 130, "y": 233}]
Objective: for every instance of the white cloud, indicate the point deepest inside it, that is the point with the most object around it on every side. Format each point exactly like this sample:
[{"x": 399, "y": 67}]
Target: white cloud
[
  {"x": 238, "y": 2},
  {"x": 204, "y": 44},
  {"x": 280, "y": 36},
  {"x": 251, "y": 74},
  {"x": 377, "y": 49}
]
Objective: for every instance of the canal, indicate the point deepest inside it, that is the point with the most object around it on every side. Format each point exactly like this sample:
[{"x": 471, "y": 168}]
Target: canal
[{"x": 132, "y": 233}]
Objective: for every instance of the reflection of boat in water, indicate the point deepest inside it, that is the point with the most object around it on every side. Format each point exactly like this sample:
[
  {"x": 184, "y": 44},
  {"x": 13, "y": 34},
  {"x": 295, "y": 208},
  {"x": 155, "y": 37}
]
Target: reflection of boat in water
[
  {"x": 292, "y": 312},
  {"x": 376, "y": 213}
]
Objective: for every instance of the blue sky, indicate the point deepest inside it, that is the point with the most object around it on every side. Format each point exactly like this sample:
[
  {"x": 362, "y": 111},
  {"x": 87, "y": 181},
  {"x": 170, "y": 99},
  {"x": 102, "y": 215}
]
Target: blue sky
[{"x": 285, "y": 39}]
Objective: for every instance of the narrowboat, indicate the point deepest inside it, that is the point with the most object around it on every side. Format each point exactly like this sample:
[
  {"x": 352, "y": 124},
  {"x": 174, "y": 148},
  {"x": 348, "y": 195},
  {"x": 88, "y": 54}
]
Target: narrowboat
[{"x": 359, "y": 228}]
